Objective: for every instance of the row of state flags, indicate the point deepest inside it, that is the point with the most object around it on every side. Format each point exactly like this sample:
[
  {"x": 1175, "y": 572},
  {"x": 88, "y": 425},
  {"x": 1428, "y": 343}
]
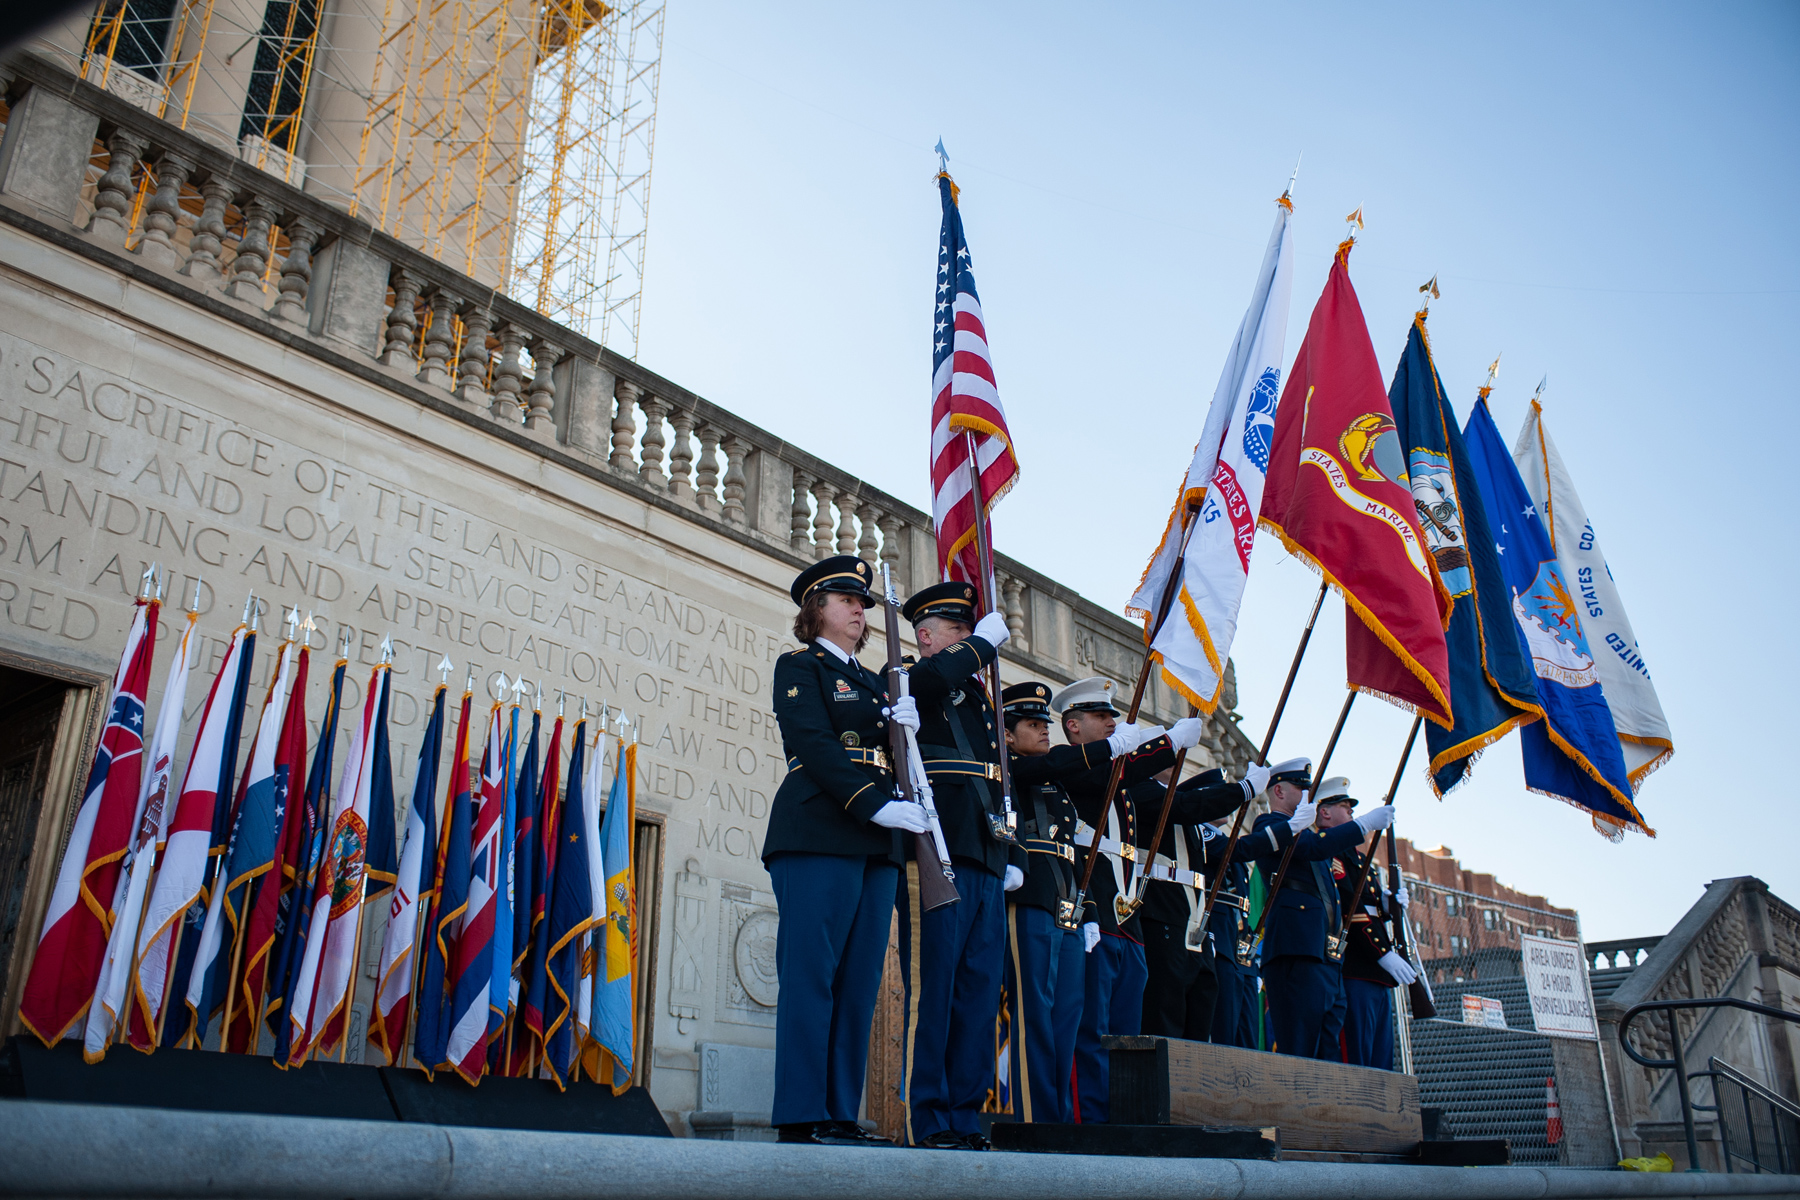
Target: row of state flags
[
  {"x": 1483, "y": 601},
  {"x": 234, "y": 906}
]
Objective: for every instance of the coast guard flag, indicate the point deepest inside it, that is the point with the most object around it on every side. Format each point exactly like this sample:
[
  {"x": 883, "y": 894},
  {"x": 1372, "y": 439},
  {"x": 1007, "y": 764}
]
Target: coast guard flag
[
  {"x": 80, "y": 917},
  {"x": 1573, "y": 753},
  {"x": 472, "y": 969},
  {"x": 140, "y": 863},
  {"x": 964, "y": 400},
  {"x": 449, "y": 902},
  {"x": 1490, "y": 677},
  {"x": 1339, "y": 499},
  {"x": 393, "y": 994},
  {"x": 1637, "y": 714},
  {"x": 569, "y": 919},
  {"x": 615, "y": 978},
  {"x": 178, "y": 899},
  {"x": 1225, "y": 482}
]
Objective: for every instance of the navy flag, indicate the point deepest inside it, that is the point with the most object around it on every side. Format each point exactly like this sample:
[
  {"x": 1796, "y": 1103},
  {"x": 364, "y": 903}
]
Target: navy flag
[{"x": 1492, "y": 687}]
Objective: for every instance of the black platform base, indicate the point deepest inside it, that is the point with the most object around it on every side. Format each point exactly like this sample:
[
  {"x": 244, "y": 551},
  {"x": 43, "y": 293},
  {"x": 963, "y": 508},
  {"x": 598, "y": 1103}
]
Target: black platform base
[
  {"x": 206, "y": 1081},
  {"x": 1138, "y": 1141}
]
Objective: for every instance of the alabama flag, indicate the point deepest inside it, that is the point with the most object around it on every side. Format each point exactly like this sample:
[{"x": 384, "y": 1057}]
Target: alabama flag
[
  {"x": 70, "y": 953},
  {"x": 1215, "y": 514}
]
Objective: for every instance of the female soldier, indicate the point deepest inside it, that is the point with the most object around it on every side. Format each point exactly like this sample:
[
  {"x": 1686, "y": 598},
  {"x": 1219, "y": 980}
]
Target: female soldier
[{"x": 833, "y": 856}]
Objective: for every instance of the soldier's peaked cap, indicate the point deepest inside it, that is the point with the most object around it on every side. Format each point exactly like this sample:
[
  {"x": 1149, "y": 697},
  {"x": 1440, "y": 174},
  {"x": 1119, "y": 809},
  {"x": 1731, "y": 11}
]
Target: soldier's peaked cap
[
  {"x": 1027, "y": 701},
  {"x": 1297, "y": 771},
  {"x": 954, "y": 601},
  {"x": 839, "y": 573},
  {"x": 1086, "y": 695},
  {"x": 1336, "y": 790}
]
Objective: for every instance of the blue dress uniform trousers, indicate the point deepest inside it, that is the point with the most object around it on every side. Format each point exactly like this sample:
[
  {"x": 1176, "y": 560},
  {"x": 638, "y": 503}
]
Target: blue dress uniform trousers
[
  {"x": 1302, "y": 993},
  {"x": 1113, "y": 1004},
  {"x": 1369, "y": 1024},
  {"x": 952, "y": 961},
  {"x": 1045, "y": 982},
  {"x": 1234, "y": 1011},
  {"x": 835, "y": 912}
]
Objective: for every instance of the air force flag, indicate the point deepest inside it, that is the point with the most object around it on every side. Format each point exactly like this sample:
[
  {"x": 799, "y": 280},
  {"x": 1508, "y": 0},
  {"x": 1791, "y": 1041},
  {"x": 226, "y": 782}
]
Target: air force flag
[{"x": 1573, "y": 753}]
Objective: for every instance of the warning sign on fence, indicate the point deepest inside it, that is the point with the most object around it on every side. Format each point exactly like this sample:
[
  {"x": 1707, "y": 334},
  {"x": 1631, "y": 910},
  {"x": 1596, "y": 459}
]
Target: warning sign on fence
[{"x": 1556, "y": 982}]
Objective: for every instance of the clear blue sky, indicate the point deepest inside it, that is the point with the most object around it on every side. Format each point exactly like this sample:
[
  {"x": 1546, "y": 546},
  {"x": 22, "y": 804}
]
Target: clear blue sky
[{"x": 1606, "y": 194}]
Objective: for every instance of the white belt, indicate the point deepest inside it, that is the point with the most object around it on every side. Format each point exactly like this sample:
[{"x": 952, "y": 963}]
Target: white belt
[{"x": 1084, "y": 837}]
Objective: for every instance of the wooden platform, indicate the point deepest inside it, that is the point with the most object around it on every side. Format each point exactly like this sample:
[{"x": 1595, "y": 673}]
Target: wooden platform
[{"x": 1317, "y": 1106}]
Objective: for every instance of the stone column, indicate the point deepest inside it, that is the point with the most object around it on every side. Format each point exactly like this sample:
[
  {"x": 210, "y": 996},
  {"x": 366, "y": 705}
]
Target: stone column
[
  {"x": 706, "y": 483},
  {"x": 735, "y": 450},
  {"x": 252, "y": 260},
  {"x": 402, "y": 322},
  {"x": 869, "y": 543},
  {"x": 440, "y": 337},
  {"x": 800, "y": 515},
  {"x": 846, "y": 539},
  {"x": 890, "y": 546},
  {"x": 508, "y": 375},
  {"x": 650, "y": 450},
  {"x": 472, "y": 370},
  {"x": 163, "y": 210},
  {"x": 540, "y": 418},
  {"x": 824, "y": 493},
  {"x": 681, "y": 455},
  {"x": 202, "y": 264},
  {"x": 113, "y": 197},
  {"x": 624, "y": 425},
  {"x": 296, "y": 272},
  {"x": 1012, "y": 594}
]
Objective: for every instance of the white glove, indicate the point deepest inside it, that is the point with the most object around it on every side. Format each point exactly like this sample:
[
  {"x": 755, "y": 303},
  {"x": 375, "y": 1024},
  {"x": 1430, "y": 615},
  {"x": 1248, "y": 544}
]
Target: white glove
[
  {"x": 1402, "y": 897},
  {"x": 1398, "y": 967},
  {"x": 898, "y": 814},
  {"x": 1185, "y": 733},
  {"x": 1303, "y": 816},
  {"x": 992, "y": 630},
  {"x": 1015, "y": 879},
  {"x": 1256, "y": 778},
  {"x": 1376, "y": 819},
  {"x": 1126, "y": 738},
  {"x": 904, "y": 711},
  {"x": 1090, "y": 937}
]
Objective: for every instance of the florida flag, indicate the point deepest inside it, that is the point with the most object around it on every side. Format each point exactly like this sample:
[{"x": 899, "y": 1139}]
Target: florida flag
[
  {"x": 73, "y": 945},
  {"x": 1212, "y": 529}
]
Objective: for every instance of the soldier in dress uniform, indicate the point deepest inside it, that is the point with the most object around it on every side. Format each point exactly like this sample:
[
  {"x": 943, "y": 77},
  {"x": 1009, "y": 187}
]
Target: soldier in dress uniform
[
  {"x": 1372, "y": 967},
  {"x": 1045, "y": 975},
  {"x": 1181, "y": 987},
  {"x": 1236, "y": 1007},
  {"x": 1113, "y": 998},
  {"x": 833, "y": 856},
  {"x": 952, "y": 958},
  {"x": 1302, "y": 948}
]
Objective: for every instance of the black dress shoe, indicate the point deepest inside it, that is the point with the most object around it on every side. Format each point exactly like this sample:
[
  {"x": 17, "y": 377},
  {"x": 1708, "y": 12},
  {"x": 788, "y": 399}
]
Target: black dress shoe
[
  {"x": 976, "y": 1141},
  {"x": 947, "y": 1139},
  {"x": 828, "y": 1133},
  {"x": 856, "y": 1135}
]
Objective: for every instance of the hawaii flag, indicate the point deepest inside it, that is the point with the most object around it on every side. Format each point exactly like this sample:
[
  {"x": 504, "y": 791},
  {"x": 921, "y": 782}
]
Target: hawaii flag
[
  {"x": 472, "y": 968},
  {"x": 1222, "y": 490},
  {"x": 327, "y": 972},
  {"x": 1637, "y": 714},
  {"x": 418, "y": 862},
  {"x": 187, "y": 857},
  {"x": 1339, "y": 498},
  {"x": 79, "y": 921},
  {"x": 115, "y": 975}
]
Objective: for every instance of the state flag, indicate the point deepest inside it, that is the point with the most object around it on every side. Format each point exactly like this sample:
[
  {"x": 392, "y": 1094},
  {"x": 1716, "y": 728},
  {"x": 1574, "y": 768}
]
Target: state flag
[
  {"x": 448, "y": 905},
  {"x": 615, "y": 977},
  {"x": 568, "y": 922},
  {"x": 413, "y": 886},
  {"x": 471, "y": 982}
]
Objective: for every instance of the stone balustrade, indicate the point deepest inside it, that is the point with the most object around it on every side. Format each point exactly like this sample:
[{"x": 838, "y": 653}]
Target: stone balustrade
[{"x": 181, "y": 214}]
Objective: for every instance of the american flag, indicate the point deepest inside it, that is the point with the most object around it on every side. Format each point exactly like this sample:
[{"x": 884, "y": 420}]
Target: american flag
[{"x": 964, "y": 401}]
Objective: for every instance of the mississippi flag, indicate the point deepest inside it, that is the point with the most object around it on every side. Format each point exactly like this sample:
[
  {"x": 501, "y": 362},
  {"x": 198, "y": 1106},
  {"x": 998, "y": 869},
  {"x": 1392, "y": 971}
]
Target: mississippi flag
[
  {"x": 418, "y": 862},
  {"x": 472, "y": 970},
  {"x": 965, "y": 408},
  {"x": 73, "y": 946},
  {"x": 187, "y": 857}
]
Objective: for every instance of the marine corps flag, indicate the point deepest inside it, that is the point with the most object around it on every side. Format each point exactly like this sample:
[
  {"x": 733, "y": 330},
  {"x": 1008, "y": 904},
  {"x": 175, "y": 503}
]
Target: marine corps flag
[
  {"x": 1339, "y": 498},
  {"x": 1637, "y": 714},
  {"x": 1489, "y": 673}
]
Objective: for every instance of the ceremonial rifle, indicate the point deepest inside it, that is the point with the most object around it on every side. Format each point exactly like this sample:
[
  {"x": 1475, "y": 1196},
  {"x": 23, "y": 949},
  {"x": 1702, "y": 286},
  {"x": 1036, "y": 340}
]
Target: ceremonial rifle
[
  {"x": 936, "y": 887},
  {"x": 1334, "y": 942},
  {"x": 1418, "y": 991}
]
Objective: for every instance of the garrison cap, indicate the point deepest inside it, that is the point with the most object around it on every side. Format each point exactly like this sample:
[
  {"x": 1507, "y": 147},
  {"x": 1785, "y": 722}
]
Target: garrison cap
[
  {"x": 1297, "y": 771},
  {"x": 1336, "y": 790},
  {"x": 954, "y": 601},
  {"x": 1026, "y": 701},
  {"x": 839, "y": 573},
  {"x": 1086, "y": 695}
]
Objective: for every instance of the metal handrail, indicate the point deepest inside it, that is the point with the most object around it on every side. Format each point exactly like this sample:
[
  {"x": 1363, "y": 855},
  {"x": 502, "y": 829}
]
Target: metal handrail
[
  {"x": 1679, "y": 1064},
  {"x": 1747, "y": 1087}
]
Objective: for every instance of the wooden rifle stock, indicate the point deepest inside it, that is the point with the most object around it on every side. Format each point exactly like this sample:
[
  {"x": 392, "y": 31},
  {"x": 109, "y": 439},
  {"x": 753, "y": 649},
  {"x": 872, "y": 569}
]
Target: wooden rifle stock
[{"x": 937, "y": 881}]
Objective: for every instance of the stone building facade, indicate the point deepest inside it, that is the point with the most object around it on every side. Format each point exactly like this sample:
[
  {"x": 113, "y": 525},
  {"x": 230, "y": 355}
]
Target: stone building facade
[{"x": 204, "y": 367}]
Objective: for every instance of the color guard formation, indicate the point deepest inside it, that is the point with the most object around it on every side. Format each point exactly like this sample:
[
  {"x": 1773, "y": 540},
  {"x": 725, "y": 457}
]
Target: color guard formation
[{"x": 1138, "y": 952}]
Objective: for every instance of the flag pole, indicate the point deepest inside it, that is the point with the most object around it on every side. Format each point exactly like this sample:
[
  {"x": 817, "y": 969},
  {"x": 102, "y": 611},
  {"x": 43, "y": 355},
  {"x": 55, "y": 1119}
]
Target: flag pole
[
  {"x": 1362, "y": 882},
  {"x": 1287, "y": 856},
  {"x": 1262, "y": 752},
  {"x": 990, "y": 586}
]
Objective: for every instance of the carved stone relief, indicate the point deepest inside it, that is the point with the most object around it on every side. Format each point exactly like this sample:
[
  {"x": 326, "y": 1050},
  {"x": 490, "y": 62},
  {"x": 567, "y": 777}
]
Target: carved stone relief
[{"x": 747, "y": 925}]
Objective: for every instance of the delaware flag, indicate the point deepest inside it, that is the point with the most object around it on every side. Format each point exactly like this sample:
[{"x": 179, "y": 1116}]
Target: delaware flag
[
  {"x": 1637, "y": 714},
  {"x": 187, "y": 857},
  {"x": 418, "y": 861},
  {"x": 564, "y": 930},
  {"x": 615, "y": 982},
  {"x": 1339, "y": 499},
  {"x": 1222, "y": 492},
  {"x": 1490, "y": 676},
  {"x": 449, "y": 902},
  {"x": 146, "y": 842},
  {"x": 79, "y": 921},
  {"x": 1573, "y": 753}
]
